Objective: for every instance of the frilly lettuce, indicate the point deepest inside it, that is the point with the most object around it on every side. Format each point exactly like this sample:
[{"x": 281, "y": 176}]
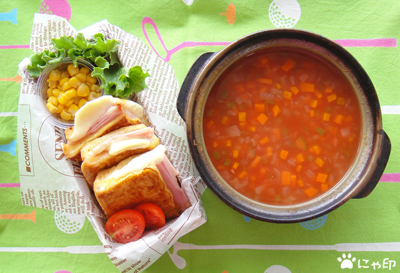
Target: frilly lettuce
[{"x": 117, "y": 80}]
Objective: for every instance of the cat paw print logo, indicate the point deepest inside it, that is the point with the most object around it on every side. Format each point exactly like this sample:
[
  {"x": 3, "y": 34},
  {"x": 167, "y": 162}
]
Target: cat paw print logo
[{"x": 346, "y": 261}]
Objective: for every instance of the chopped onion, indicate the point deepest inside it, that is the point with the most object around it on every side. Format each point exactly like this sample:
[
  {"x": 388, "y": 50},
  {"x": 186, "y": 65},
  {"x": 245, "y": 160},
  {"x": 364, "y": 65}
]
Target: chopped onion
[
  {"x": 345, "y": 132},
  {"x": 233, "y": 131}
]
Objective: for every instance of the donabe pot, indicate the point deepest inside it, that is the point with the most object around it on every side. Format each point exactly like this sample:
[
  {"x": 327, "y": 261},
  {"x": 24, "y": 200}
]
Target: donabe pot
[{"x": 374, "y": 148}]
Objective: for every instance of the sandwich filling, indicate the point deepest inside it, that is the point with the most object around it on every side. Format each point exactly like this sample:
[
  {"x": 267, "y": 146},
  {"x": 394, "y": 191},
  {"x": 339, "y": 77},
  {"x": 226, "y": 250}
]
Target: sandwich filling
[
  {"x": 158, "y": 158},
  {"x": 131, "y": 140},
  {"x": 98, "y": 112}
]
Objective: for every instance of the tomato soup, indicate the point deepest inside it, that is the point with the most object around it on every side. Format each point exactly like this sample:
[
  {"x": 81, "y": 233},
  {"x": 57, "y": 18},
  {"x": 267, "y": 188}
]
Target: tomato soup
[{"x": 282, "y": 126}]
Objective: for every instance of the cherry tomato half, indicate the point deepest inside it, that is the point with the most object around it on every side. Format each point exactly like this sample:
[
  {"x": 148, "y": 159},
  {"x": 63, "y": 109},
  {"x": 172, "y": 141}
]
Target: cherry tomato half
[
  {"x": 125, "y": 226},
  {"x": 153, "y": 215}
]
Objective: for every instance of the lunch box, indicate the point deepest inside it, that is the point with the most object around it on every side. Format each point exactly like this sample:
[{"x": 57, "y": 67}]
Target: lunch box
[{"x": 374, "y": 148}]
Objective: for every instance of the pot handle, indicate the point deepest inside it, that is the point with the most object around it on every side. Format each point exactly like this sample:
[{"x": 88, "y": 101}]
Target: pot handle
[
  {"x": 380, "y": 166},
  {"x": 187, "y": 84}
]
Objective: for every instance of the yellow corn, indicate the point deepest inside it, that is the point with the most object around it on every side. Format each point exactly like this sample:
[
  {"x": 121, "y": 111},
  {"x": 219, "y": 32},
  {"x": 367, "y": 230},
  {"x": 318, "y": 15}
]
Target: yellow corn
[
  {"x": 64, "y": 80},
  {"x": 72, "y": 109},
  {"x": 54, "y": 75},
  {"x": 53, "y": 100},
  {"x": 74, "y": 82},
  {"x": 60, "y": 107},
  {"x": 66, "y": 86},
  {"x": 94, "y": 95},
  {"x": 61, "y": 98},
  {"x": 55, "y": 93},
  {"x": 84, "y": 70},
  {"x": 70, "y": 94},
  {"x": 81, "y": 76},
  {"x": 95, "y": 88},
  {"x": 52, "y": 108},
  {"x": 65, "y": 115},
  {"x": 49, "y": 92},
  {"x": 73, "y": 70},
  {"x": 53, "y": 84},
  {"x": 83, "y": 90},
  {"x": 91, "y": 79},
  {"x": 64, "y": 75},
  {"x": 69, "y": 102},
  {"x": 82, "y": 102}
]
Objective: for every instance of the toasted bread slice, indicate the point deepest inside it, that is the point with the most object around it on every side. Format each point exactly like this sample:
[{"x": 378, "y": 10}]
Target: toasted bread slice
[
  {"x": 132, "y": 189},
  {"x": 94, "y": 161}
]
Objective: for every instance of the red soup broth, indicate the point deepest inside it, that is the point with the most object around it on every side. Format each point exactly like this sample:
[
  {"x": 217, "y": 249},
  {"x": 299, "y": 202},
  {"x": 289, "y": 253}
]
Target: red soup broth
[{"x": 282, "y": 126}]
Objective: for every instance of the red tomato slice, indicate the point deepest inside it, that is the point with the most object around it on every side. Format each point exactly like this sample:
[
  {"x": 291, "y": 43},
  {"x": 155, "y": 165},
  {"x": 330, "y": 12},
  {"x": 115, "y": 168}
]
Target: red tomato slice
[
  {"x": 125, "y": 226},
  {"x": 153, "y": 215}
]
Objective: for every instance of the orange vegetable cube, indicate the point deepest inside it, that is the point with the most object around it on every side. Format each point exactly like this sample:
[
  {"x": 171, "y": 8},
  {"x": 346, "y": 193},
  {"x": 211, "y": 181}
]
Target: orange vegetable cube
[
  {"x": 264, "y": 140},
  {"x": 340, "y": 101},
  {"x": 235, "y": 165},
  {"x": 229, "y": 143},
  {"x": 255, "y": 162},
  {"x": 306, "y": 87},
  {"x": 235, "y": 154},
  {"x": 298, "y": 168},
  {"x": 331, "y": 98},
  {"x": 324, "y": 187},
  {"x": 210, "y": 124},
  {"x": 319, "y": 162},
  {"x": 339, "y": 119},
  {"x": 300, "y": 158},
  {"x": 311, "y": 191},
  {"x": 262, "y": 118},
  {"x": 326, "y": 116},
  {"x": 314, "y": 103},
  {"x": 312, "y": 113},
  {"x": 263, "y": 80},
  {"x": 289, "y": 64},
  {"x": 276, "y": 110},
  {"x": 319, "y": 95},
  {"x": 240, "y": 88},
  {"x": 287, "y": 94},
  {"x": 293, "y": 179},
  {"x": 252, "y": 128},
  {"x": 242, "y": 116},
  {"x": 284, "y": 154},
  {"x": 286, "y": 178},
  {"x": 243, "y": 174},
  {"x": 224, "y": 120},
  {"x": 300, "y": 183},
  {"x": 316, "y": 149},
  {"x": 215, "y": 144},
  {"x": 270, "y": 152},
  {"x": 278, "y": 86},
  {"x": 328, "y": 89},
  {"x": 260, "y": 107},
  {"x": 321, "y": 177},
  {"x": 294, "y": 90}
]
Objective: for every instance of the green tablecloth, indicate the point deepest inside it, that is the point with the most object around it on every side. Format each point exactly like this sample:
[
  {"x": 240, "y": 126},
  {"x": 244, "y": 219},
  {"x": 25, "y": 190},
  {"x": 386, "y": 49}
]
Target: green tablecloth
[{"x": 362, "y": 234}]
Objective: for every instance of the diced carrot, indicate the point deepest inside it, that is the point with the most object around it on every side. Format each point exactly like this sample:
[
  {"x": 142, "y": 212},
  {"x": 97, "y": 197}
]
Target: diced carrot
[
  {"x": 319, "y": 162},
  {"x": 215, "y": 144},
  {"x": 277, "y": 133},
  {"x": 210, "y": 124},
  {"x": 331, "y": 98},
  {"x": 298, "y": 168},
  {"x": 293, "y": 179},
  {"x": 314, "y": 103},
  {"x": 328, "y": 89},
  {"x": 260, "y": 107},
  {"x": 321, "y": 177},
  {"x": 242, "y": 116},
  {"x": 240, "y": 88},
  {"x": 263, "y": 171},
  {"x": 324, "y": 187},
  {"x": 289, "y": 64},
  {"x": 243, "y": 174},
  {"x": 287, "y": 94},
  {"x": 262, "y": 60},
  {"x": 316, "y": 149},
  {"x": 284, "y": 154},
  {"x": 306, "y": 87},
  {"x": 229, "y": 143},
  {"x": 294, "y": 89},
  {"x": 250, "y": 85},
  {"x": 339, "y": 119},
  {"x": 312, "y": 113},
  {"x": 286, "y": 178},
  {"x": 311, "y": 191},
  {"x": 300, "y": 158},
  {"x": 224, "y": 120},
  {"x": 235, "y": 154},
  {"x": 264, "y": 140},
  {"x": 262, "y": 118},
  {"x": 301, "y": 143},
  {"x": 300, "y": 183},
  {"x": 263, "y": 80},
  {"x": 252, "y": 128},
  {"x": 319, "y": 94},
  {"x": 255, "y": 162},
  {"x": 242, "y": 123},
  {"x": 235, "y": 165},
  {"x": 278, "y": 86},
  {"x": 326, "y": 116},
  {"x": 340, "y": 100},
  {"x": 276, "y": 110}
]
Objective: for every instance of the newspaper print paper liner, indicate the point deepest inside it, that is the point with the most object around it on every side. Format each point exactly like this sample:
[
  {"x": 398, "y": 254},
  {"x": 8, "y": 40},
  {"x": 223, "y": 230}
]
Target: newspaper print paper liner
[{"x": 48, "y": 180}]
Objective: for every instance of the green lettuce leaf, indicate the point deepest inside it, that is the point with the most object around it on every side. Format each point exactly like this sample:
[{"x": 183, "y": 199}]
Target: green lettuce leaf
[{"x": 116, "y": 80}]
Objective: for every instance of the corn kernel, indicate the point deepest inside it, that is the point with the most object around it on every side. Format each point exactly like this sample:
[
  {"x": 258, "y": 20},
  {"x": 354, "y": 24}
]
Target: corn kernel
[
  {"x": 53, "y": 84},
  {"x": 69, "y": 102},
  {"x": 73, "y": 70},
  {"x": 66, "y": 86},
  {"x": 65, "y": 115},
  {"x": 71, "y": 93},
  {"x": 81, "y": 76},
  {"x": 64, "y": 75},
  {"x": 55, "y": 93},
  {"x": 64, "y": 80},
  {"x": 84, "y": 70},
  {"x": 93, "y": 95},
  {"x": 49, "y": 92},
  {"x": 53, "y": 100},
  {"x": 83, "y": 90},
  {"x": 54, "y": 75},
  {"x": 73, "y": 109},
  {"x": 95, "y": 88},
  {"x": 61, "y": 98},
  {"x": 52, "y": 108},
  {"x": 82, "y": 102},
  {"x": 74, "y": 82},
  {"x": 91, "y": 79},
  {"x": 60, "y": 107}
]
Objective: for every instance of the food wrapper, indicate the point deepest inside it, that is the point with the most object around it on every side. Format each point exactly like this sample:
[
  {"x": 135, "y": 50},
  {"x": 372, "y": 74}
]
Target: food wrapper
[{"x": 48, "y": 180}]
